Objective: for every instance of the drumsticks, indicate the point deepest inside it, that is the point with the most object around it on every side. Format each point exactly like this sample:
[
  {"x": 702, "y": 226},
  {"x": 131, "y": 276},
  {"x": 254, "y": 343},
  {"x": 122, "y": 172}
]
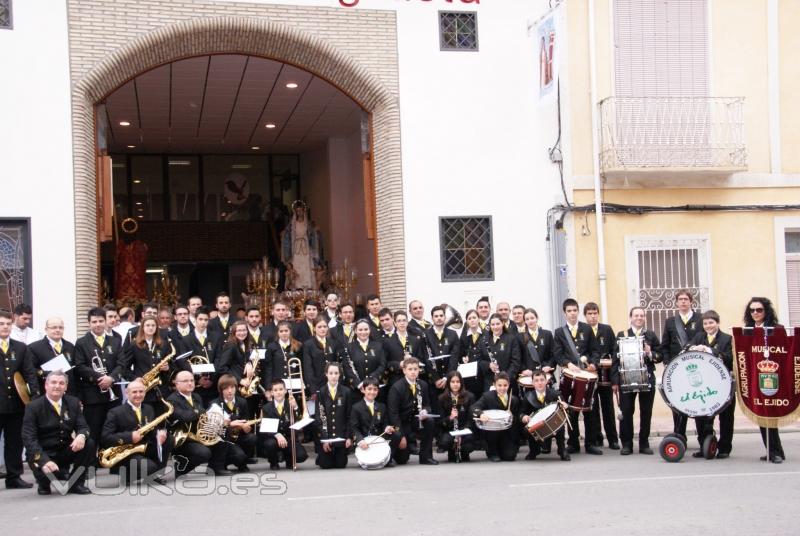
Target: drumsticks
[{"x": 376, "y": 438}]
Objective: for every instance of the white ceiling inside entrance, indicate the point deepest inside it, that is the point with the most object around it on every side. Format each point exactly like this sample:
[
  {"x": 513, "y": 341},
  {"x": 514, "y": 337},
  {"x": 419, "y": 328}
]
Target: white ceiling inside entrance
[{"x": 224, "y": 104}]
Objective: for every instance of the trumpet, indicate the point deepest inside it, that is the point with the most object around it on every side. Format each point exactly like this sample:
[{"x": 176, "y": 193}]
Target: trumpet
[
  {"x": 100, "y": 367},
  {"x": 152, "y": 378},
  {"x": 292, "y": 364},
  {"x": 113, "y": 455}
]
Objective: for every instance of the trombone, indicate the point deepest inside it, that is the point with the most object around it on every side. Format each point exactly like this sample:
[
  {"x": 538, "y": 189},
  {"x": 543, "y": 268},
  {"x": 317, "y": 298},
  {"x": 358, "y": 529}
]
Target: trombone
[{"x": 295, "y": 370}]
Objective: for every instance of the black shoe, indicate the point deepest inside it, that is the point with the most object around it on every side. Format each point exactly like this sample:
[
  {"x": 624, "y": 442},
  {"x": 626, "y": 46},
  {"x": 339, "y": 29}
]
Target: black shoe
[
  {"x": 626, "y": 450},
  {"x": 251, "y": 461},
  {"x": 776, "y": 459},
  {"x": 545, "y": 449},
  {"x": 44, "y": 489},
  {"x": 451, "y": 457},
  {"x": 17, "y": 483},
  {"x": 495, "y": 459},
  {"x": 218, "y": 471},
  {"x": 723, "y": 455},
  {"x": 274, "y": 466},
  {"x": 591, "y": 449},
  {"x": 613, "y": 445},
  {"x": 530, "y": 456},
  {"x": 565, "y": 457},
  {"x": 698, "y": 454},
  {"x": 645, "y": 450},
  {"x": 413, "y": 449},
  {"x": 573, "y": 450},
  {"x": 598, "y": 443},
  {"x": 390, "y": 463},
  {"x": 440, "y": 450},
  {"x": 465, "y": 456},
  {"x": 429, "y": 461},
  {"x": 80, "y": 489}
]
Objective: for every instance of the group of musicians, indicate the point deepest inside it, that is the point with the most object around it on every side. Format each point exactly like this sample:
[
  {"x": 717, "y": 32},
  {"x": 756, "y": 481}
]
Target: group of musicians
[{"x": 145, "y": 396}]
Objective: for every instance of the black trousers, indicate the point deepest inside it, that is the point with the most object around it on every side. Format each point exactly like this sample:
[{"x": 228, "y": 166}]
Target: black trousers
[
  {"x": 139, "y": 466},
  {"x": 604, "y": 407},
  {"x": 76, "y": 464},
  {"x": 591, "y": 424},
  {"x": 627, "y": 402},
  {"x": 775, "y": 447},
  {"x": 95, "y": 415},
  {"x": 535, "y": 445},
  {"x": 679, "y": 421},
  {"x": 502, "y": 443},
  {"x": 411, "y": 431},
  {"x": 705, "y": 426},
  {"x": 191, "y": 454},
  {"x": 11, "y": 428},
  {"x": 448, "y": 443},
  {"x": 335, "y": 459},
  {"x": 269, "y": 449}
]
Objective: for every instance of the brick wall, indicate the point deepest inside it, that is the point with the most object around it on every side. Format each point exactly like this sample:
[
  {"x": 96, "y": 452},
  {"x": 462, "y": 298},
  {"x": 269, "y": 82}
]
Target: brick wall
[{"x": 111, "y": 42}]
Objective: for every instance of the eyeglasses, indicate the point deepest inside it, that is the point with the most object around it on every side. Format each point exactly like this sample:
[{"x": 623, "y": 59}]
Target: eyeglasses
[{"x": 756, "y": 309}]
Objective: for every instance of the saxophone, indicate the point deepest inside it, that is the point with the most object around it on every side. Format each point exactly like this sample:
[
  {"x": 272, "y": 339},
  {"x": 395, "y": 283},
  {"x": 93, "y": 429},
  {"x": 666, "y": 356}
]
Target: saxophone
[
  {"x": 152, "y": 378},
  {"x": 113, "y": 455},
  {"x": 254, "y": 378}
]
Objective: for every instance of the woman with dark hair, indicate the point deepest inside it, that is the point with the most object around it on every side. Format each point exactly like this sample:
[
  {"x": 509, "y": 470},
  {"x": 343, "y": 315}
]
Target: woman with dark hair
[
  {"x": 320, "y": 349},
  {"x": 149, "y": 349},
  {"x": 536, "y": 345},
  {"x": 470, "y": 350},
  {"x": 234, "y": 359},
  {"x": 281, "y": 351},
  {"x": 500, "y": 353},
  {"x": 760, "y": 313},
  {"x": 455, "y": 402},
  {"x": 362, "y": 358}
]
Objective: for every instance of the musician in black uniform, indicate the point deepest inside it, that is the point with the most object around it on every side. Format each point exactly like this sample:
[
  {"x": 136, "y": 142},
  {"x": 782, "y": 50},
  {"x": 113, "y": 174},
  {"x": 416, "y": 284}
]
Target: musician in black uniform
[
  {"x": 204, "y": 344},
  {"x": 369, "y": 418},
  {"x": 47, "y": 432},
  {"x": 470, "y": 349},
  {"x": 517, "y": 324},
  {"x": 122, "y": 428},
  {"x": 374, "y": 308},
  {"x": 439, "y": 341},
  {"x": 536, "y": 346},
  {"x": 280, "y": 312},
  {"x": 679, "y": 330},
  {"x": 331, "y": 310},
  {"x": 503, "y": 310},
  {"x": 345, "y": 329},
  {"x": 317, "y": 351},
  {"x": 501, "y": 445},
  {"x": 270, "y": 444},
  {"x": 533, "y": 401},
  {"x": 455, "y": 403},
  {"x": 304, "y": 328},
  {"x": 238, "y": 433},
  {"x": 575, "y": 347},
  {"x": 399, "y": 344},
  {"x": 98, "y": 363},
  {"x": 221, "y": 324},
  {"x": 280, "y": 352},
  {"x": 417, "y": 325},
  {"x": 760, "y": 313},
  {"x": 257, "y": 338},
  {"x": 500, "y": 353},
  {"x": 188, "y": 407},
  {"x": 147, "y": 351},
  {"x": 715, "y": 342},
  {"x": 603, "y": 394},
  {"x": 234, "y": 358},
  {"x": 182, "y": 327},
  {"x": 149, "y": 310},
  {"x": 53, "y": 344},
  {"x": 363, "y": 357},
  {"x": 627, "y": 400},
  {"x": 408, "y": 406},
  {"x": 332, "y": 418}
]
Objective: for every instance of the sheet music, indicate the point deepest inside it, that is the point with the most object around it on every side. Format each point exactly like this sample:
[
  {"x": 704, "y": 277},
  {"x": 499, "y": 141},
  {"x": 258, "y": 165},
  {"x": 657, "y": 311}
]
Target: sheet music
[
  {"x": 59, "y": 362},
  {"x": 269, "y": 426},
  {"x": 468, "y": 370}
]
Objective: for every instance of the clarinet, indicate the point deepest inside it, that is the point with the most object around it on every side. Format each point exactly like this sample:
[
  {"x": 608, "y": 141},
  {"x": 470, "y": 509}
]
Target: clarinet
[
  {"x": 455, "y": 427},
  {"x": 419, "y": 402},
  {"x": 323, "y": 418},
  {"x": 349, "y": 359}
]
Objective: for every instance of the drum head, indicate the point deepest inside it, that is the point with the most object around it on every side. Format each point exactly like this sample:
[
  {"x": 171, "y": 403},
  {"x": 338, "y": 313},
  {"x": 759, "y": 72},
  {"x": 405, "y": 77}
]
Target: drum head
[
  {"x": 376, "y": 456},
  {"x": 585, "y": 375},
  {"x": 543, "y": 414},
  {"x": 525, "y": 381},
  {"x": 496, "y": 414},
  {"x": 697, "y": 384}
]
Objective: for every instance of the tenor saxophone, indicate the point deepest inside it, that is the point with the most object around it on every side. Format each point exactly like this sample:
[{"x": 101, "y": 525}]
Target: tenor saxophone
[{"x": 113, "y": 455}]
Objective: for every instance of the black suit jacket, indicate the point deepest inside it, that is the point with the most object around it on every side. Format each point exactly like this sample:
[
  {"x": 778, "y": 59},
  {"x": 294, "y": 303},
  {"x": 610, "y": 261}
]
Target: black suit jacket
[
  {"x": 137, "y": 361},
  {"x": 215, "y": 326},
  {"x": 403, "y": 406},
  {"x": 302, "y": 331},
  {"x": 121, "y": 422},
  {"x": 606, "y": 341},
  {"x": 240, "y": 410},
  {"x": 543, "y": 346},
  {"x": 233, "y": 359},
  {"x": 395, "y": 353},
  {"x": 464, "y": 404},
  {"x": 670, "y": 343},
  {"x": 177, "y": 339},
  {"x": 314, "y": 360},
  {"x": 585, "y": 343},
  {"x": 40, "y": 352},
  {"x": 44, "y": 431},
  {"x": 337, "y": 332},
  {"x": 449, "y": 344},
  {"x": 336, "y": 412},
  {"x": 415, "y": 327},
  {"x": 651, "y": 339},
  {"x": 209, "y": 349},
  {"x": 721, "y": 347},
  {"x": 490, "y": 400},
  {"x": 184, "y": 414},
  {"x": 269, "y": 411},
  {"x": 371, "y": 362},
  {"x": 85, "y": 349},
  {"x": 505, "y": 351},
  {"x": 363, "y": 423},
  {"x": 277, "y": 368},
  {"x": 530, "y": 400},
  {"x": 15, "y": 360}
]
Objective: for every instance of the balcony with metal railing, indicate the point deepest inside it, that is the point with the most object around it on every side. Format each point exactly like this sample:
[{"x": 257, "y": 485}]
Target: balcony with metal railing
[{"x": 671, "y": 136}]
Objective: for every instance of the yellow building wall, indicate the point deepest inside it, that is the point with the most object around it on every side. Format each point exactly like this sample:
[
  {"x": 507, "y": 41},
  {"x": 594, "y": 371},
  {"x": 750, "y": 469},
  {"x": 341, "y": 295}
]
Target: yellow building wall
[
  {"x": 789, "y": 73},
  {"x": 742, "y": 244}
]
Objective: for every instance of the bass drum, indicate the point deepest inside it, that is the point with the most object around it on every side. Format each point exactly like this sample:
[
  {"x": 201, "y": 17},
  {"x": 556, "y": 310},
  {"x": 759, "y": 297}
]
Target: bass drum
[
  {"x": 697, "y": 384},
  {"x": 376, "y": 456}
]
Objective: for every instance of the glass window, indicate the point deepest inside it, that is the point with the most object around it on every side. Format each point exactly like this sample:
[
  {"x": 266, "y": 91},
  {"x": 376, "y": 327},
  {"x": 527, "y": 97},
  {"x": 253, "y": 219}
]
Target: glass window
[
  {"x": 466, "y": 249},
  {"x": 235, "y": 188},
  {"x": 184, "y": 182},
  {"x": 119, "y": 182},
  {"x": 792, "y": 242},
  {"x": 6, "y": 22},
  {"x": 147, "y": 177},
  {"x": 458, "y": 30}
]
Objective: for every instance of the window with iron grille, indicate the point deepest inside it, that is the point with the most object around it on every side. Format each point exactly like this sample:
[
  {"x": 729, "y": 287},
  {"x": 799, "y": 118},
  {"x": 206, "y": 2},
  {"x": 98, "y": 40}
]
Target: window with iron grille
[
  {"x": 5, "y": 15},
  {"x": 657, "y": 267},
  {"x": 458, "y": 30},
  {"x": 466, "y": 248},
  {"x": 793, "y": 276}
]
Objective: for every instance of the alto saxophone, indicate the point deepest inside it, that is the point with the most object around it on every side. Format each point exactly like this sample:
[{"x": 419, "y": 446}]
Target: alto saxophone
[
  {"x": 254, "y": 377},
  {"x": 113, "y": 455},
  {"x": 152, "y": 378}
]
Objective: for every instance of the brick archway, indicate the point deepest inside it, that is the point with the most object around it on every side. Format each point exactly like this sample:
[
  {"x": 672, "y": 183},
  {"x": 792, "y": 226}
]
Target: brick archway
[{"x": 257, "y": 37}]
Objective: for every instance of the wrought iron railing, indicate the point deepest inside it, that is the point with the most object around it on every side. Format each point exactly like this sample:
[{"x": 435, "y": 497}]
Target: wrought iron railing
[{"x": 672, "y": 132}]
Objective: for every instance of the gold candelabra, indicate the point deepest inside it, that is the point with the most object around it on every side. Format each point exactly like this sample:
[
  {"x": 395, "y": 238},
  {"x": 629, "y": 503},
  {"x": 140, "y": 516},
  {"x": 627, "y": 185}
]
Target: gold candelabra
[
  {"x": 262, "y": 284},
  {"x": 165, "y": 288},
  {"x": 344, "y": 280}
]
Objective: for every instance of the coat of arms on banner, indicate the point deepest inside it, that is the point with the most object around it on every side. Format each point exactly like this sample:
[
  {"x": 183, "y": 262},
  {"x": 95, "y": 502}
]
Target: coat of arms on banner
[{"x": 768, "y": 377}]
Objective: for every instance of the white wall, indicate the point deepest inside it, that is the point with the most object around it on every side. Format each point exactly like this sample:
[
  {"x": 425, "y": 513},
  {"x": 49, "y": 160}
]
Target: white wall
[{"x": 36, "y": 151}]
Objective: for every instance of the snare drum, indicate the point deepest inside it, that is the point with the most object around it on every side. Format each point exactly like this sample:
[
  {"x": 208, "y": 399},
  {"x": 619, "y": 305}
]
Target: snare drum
[
  {"x": 526, "y": 382},
  {"x": 376, "y": 456},
  {"x": 547, "y": 421},
  {"x": 499, "y": 420},
  {"x": 577, "y": 389}
]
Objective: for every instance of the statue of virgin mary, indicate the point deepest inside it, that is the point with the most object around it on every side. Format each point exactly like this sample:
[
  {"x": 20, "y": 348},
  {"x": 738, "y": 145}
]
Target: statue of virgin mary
[{"x": 300, "y": 249}]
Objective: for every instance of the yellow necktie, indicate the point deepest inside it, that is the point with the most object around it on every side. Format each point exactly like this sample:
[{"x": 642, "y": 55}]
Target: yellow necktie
[
  {"x": 190, "y": 401},
  {"x": 57, "y": 347},
  {"x": 474, "y": 338},
  {"x": 439, "y": 335},
  {"x": 4, "y": 346},
  {"x": 371, "y": 409},
  {"x": 574, "y": 331},
  {"x": 482, "y": 324},
  {"x": 535, "y": 335},
  {"x": 496, "y": 339},
  {"x": 541, "y": 398},
  {"x": 710, "y": 339},
  {"x": 202, "y": 340},
  {"x": 503, "y": 400},
  {"x": 280, "y": 410},
  {"x": 364, "y": 346},
  {"x": 347, "y": 331},
  {"x": 57, "y": 407},
  {"x": 100, "y": 340},
  {"x": 332, "y": 391},
  {"x": 594, "y": 330},
  {"x": 138, "y": 415},
  {"x": 230, "y": 407},
  {"x": 322, "y": 342},
  {"x": 413, "y": 389},
  {"x": 184, "y": 332},
  {"x": 224, "y": 323},
  {"x": 402, "y": 341}
]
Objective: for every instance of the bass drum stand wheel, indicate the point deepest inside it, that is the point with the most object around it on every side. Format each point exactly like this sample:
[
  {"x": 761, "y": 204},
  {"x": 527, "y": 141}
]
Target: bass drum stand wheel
[{"x": 672, "y": 448}]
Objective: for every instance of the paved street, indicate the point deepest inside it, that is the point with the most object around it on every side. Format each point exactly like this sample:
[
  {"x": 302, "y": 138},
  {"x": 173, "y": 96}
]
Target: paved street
[{"x": 609, "y": 495}]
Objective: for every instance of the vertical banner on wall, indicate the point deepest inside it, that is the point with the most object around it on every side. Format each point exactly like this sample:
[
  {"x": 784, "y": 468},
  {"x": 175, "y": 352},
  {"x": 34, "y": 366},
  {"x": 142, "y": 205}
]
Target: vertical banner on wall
[{"x": 547, "y": 44}]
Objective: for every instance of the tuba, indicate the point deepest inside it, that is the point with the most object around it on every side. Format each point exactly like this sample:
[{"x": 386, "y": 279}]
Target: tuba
[
  {"x": 452, "y": 318},
  {"x": 113, "y": 455}
]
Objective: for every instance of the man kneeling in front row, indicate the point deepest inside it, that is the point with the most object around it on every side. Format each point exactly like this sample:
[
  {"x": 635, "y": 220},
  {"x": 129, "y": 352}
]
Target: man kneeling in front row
[{"x": 47, "y": 429}]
